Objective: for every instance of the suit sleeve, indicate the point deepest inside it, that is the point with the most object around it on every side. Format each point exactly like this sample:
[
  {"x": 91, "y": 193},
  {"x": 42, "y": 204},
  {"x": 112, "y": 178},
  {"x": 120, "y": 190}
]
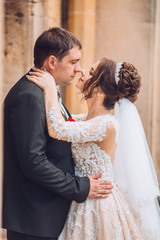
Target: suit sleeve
[{"x": 27, "y": 124}]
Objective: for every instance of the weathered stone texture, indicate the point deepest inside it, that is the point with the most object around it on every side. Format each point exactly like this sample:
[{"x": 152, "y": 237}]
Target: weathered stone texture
[
  {"x": 127, "y": 29},
  {"x": 1, "y": 129},
  {"x": 82, "y": 22},
  {"x": 24, "y": 22}
]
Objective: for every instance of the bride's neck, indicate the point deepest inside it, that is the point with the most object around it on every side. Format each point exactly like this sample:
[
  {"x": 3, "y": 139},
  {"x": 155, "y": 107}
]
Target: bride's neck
[{"x": 95, "y": 107}]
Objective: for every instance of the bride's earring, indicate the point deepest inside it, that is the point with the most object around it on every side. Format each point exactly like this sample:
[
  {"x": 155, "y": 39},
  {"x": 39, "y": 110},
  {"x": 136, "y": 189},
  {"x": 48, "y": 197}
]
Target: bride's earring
[{"x": 97, "y": 94}]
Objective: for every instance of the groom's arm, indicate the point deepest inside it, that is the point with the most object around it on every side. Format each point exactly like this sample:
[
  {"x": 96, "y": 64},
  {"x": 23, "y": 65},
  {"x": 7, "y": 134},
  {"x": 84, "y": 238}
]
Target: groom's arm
[{"x": 28, "y": 131}]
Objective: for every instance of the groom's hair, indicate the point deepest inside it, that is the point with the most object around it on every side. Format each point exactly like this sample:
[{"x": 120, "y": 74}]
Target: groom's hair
[{"x": 55, "y": 41}]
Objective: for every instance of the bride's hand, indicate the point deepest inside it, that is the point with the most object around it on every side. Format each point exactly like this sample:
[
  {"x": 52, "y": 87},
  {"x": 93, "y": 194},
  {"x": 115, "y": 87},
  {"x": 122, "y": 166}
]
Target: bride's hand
[{"x": 42, "y": 78}]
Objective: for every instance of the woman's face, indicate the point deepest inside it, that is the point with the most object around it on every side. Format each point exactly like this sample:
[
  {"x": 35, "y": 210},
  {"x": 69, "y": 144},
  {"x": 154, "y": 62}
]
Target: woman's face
[{"x": 85, "y": 75}]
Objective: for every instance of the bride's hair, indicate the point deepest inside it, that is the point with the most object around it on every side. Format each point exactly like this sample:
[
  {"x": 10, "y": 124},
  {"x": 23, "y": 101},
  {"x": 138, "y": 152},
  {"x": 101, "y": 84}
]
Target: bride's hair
[{"x": 103, "y": 79}]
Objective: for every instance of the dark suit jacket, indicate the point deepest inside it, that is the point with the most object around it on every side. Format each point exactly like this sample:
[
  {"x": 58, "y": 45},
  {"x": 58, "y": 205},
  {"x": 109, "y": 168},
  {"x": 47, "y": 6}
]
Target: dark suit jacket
[{"x": 38, "y": 181}]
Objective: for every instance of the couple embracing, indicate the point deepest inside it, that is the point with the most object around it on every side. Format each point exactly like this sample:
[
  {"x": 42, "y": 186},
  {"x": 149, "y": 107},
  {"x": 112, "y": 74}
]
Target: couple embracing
[{"x": 72, "y": 180}]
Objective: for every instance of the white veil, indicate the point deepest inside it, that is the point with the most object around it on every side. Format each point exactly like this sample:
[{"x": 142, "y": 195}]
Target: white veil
[{"x": 134, "y": 170}]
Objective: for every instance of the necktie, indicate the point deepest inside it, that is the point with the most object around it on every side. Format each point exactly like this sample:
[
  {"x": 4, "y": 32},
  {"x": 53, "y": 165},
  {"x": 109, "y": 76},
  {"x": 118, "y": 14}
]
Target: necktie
[{"x": 63, "y": 110}]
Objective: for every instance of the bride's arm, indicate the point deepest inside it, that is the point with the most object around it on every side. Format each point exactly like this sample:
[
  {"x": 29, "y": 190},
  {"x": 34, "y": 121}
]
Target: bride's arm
[
  {"x": 47, "y": 83},
  {"x": 81, "y": 131}
]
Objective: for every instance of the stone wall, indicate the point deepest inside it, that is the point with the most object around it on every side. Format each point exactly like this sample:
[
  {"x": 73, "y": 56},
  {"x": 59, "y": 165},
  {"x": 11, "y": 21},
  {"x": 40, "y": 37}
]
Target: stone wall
[
  {"x": 24, "y": 22},
  {"x": 127, "y": 27},
  {"x": 1, "y": 82}
]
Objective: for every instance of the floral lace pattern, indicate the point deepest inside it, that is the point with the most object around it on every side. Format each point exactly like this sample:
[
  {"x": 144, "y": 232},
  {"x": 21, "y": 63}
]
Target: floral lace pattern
[
  {"x": 100, "y": 219},
  {"x": 81, "y": 131},
  {"x": 79, "y": 117}
]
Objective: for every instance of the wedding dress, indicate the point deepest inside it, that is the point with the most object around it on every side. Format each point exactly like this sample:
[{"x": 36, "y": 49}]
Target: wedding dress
[{"x": 100, "y": 219}]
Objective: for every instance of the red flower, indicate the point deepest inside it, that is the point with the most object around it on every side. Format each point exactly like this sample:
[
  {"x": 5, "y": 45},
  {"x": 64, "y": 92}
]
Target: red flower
[{"x": 70, "y": 119}]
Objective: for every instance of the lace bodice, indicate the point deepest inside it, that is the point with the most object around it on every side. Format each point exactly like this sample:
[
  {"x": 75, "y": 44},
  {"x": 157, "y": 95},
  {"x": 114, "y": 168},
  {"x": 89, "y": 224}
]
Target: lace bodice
[{"x": 89, "y": 157}]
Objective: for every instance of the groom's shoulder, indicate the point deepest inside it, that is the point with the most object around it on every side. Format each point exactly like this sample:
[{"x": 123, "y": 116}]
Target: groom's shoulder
[{"x": 23, "y": 87}]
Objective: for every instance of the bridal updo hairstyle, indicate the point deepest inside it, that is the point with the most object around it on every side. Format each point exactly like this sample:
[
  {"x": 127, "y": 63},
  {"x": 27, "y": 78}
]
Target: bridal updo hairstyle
[{"x": 103, "y": 79}]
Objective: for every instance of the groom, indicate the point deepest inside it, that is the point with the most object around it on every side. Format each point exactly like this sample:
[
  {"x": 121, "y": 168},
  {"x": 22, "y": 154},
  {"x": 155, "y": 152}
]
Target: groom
[{"x": 39, "y": 182}]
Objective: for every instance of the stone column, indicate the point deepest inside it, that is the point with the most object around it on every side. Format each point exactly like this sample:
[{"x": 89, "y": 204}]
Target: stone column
[
  {"x": 24, "y": 22},
  {"x": 156, "y": 91},
  {"x": 52, "y": 13},
  {"x": 16, "y": 38},
  {"x": 42, "y": 15},
  {"x": 1, "y": 116},
  {"x": 124, "y": 32},
  {"x": 81, "y": 22}
]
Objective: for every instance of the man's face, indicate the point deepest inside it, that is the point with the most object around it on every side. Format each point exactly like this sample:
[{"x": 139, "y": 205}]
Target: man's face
[{"x": 65, "y": 70}]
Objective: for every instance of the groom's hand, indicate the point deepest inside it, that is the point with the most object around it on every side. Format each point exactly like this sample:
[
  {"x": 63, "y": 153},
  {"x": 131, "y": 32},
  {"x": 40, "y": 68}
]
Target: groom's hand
[{"x": 99, "y": 188}]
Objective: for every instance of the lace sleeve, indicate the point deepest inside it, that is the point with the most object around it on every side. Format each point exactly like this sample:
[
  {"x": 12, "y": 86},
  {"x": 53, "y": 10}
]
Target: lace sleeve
[
  {"x": 81, "y": 131},
  {"x": 79, "y": 117}
]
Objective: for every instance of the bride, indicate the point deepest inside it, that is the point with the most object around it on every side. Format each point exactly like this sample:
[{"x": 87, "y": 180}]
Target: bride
[{"x": 113, "y": 145}]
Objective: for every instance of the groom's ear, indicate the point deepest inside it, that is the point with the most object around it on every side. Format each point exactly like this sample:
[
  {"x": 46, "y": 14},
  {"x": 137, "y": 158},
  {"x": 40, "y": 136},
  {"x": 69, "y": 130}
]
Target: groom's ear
[{"x": 51, "y": 62}]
